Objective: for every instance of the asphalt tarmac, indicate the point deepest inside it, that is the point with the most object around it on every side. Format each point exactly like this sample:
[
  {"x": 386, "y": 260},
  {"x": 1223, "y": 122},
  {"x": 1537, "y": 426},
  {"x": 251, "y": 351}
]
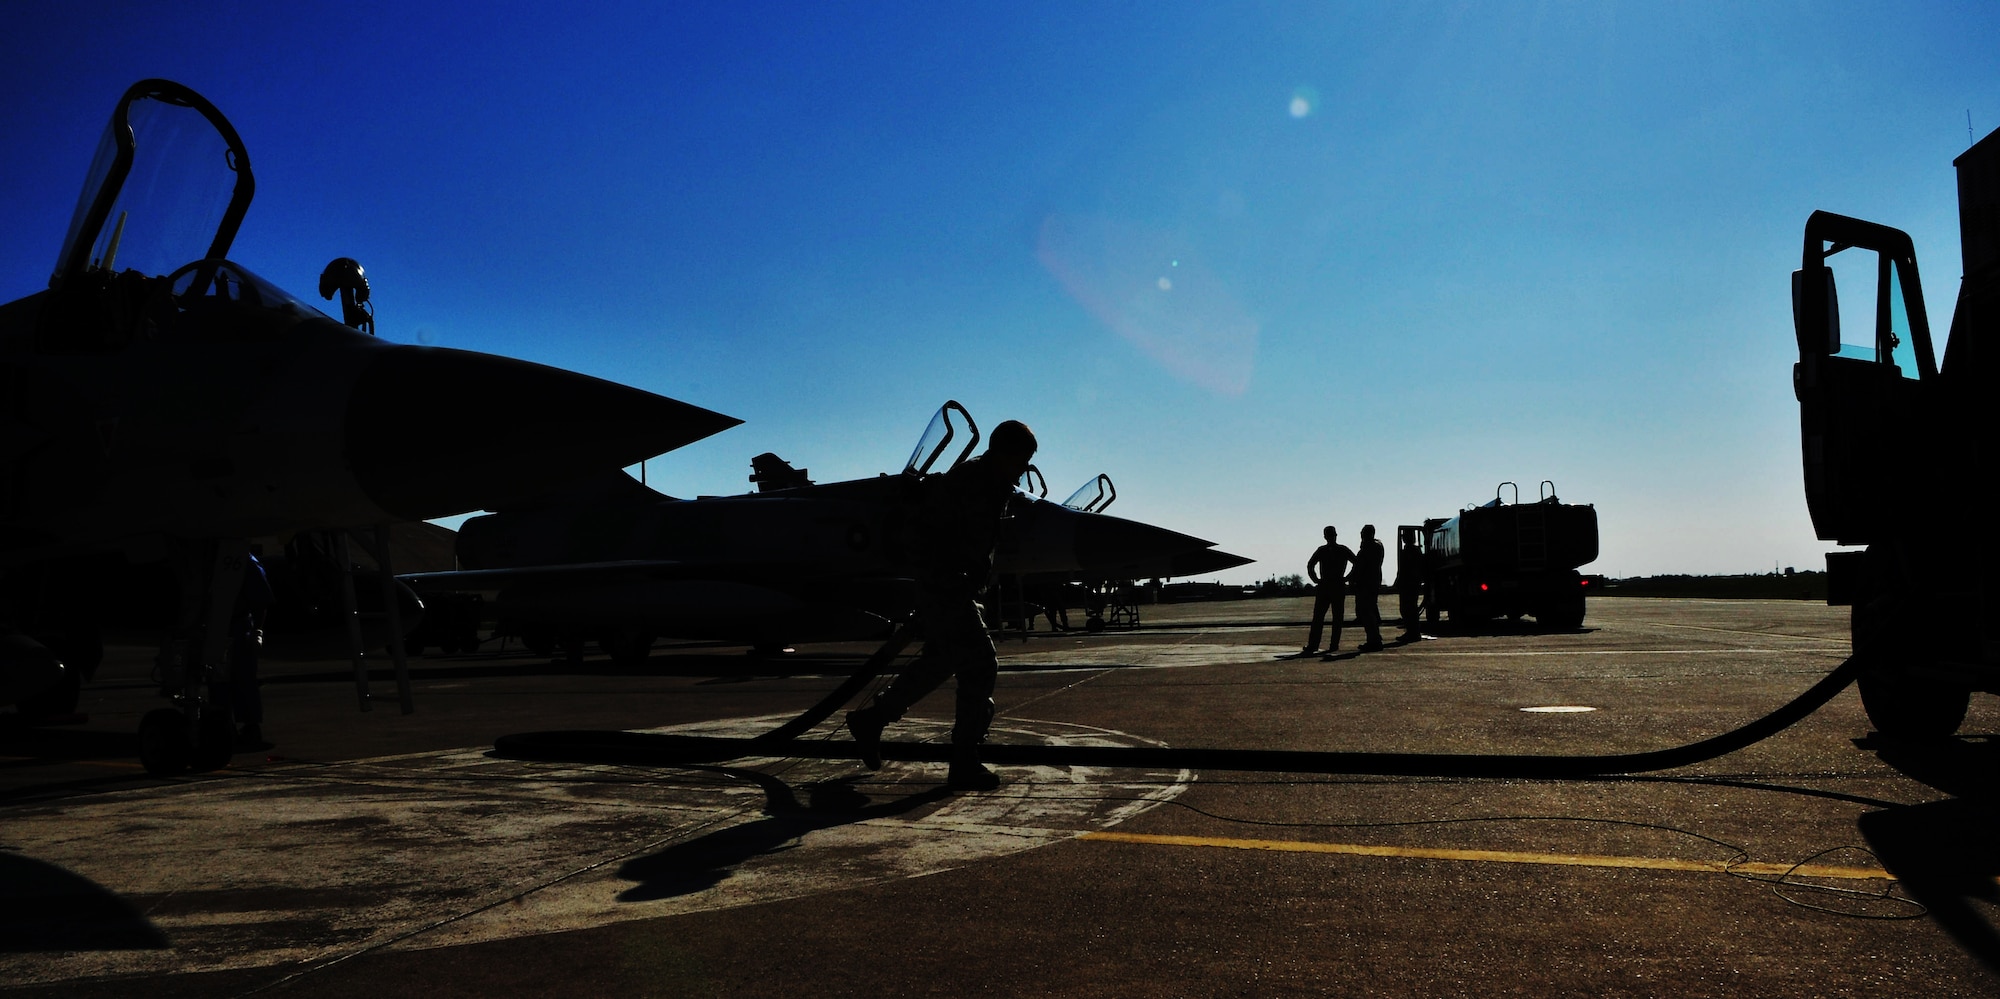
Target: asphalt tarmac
[{"x": 394, "y": 854}]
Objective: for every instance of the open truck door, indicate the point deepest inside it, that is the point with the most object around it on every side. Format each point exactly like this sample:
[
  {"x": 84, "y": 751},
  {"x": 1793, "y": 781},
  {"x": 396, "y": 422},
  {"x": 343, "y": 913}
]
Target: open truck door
[{"x": 1896, "y": 450}]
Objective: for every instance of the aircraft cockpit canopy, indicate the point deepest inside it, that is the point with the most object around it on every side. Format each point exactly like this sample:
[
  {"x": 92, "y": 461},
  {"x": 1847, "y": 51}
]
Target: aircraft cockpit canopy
[
  {"x": 223, "y": 300},
  {"x": 1033, "y": 483},
  {"x": 169, "y": 184},
  {"x": 951, "y": 423},
  {"x": 1093, "y": 496}
]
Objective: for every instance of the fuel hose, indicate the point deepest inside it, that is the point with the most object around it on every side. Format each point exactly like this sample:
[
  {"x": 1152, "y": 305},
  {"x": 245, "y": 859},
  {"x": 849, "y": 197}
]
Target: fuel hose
[{"x": 662, "y": 749}]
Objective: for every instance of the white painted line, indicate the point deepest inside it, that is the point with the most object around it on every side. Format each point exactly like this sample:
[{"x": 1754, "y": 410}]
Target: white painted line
[{"x": 316, "y": 863}]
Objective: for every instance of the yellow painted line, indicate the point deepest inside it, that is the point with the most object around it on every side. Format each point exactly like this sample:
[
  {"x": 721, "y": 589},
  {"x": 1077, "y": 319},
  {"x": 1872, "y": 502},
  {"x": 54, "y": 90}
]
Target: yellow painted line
[
  {"x": 1499, "y": 856},
  {"x": 1509, "y": 653}
]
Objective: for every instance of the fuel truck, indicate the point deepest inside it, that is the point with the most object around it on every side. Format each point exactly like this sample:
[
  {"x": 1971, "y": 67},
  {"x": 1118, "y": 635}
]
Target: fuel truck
[
  {"x": 1899, "y": 453},
  {"x": 1501, "y": 558}
]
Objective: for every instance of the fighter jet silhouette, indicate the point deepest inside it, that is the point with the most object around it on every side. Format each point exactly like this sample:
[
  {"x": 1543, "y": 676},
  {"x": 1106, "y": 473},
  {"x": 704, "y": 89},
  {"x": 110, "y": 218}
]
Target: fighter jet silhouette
[
  {"x": 616, "y": 562},
  {"x": 162, "y": 403}
]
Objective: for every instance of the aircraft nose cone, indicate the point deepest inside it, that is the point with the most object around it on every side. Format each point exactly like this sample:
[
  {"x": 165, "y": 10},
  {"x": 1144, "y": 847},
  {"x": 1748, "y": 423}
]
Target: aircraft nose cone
[
  {"x": 26, "y": 668},
  {"x": 433, "y": 432},
  {"x": 1201, "y": 563},
  {"x": 1107, "y": 543}
]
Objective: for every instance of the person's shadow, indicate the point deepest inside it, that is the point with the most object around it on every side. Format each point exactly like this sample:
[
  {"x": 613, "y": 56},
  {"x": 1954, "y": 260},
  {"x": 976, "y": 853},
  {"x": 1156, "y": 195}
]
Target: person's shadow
[
  {"x": 1945, "y": 853},
  {"x": 706, "y": 861}
]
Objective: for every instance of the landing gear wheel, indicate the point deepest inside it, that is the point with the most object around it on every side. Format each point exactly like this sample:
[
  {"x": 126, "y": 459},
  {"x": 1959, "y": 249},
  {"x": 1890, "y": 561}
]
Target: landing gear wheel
[
  {"x": 628, "y": 649},
  {"x": 1906, "y": 707},
  {"x": 163, "y": 742},
  {"x": 214, "y": 742}
]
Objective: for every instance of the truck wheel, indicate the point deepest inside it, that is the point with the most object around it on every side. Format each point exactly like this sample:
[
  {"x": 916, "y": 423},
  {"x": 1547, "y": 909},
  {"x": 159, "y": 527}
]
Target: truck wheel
[
  {"x": 1566, "y": 618},
  {"x": 1890, "y": 635},
  {"x": 1906, "y": 707}
]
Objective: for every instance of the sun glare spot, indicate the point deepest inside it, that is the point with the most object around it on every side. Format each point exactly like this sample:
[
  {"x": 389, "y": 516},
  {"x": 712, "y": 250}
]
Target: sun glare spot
[
  {"x": 1166, "y": 285},
  {"x": 1305, "y": 101}
]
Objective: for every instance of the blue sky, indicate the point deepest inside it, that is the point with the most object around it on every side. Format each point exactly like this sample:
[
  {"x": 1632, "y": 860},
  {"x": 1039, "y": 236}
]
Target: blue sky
[{"x": 1268, "y": 266}]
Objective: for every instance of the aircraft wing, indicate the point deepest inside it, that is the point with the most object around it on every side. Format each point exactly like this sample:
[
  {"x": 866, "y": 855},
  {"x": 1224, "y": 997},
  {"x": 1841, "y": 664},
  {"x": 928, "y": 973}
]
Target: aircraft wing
[
  {"x": 1179, "y": 565},
  {"x": 461, "y": 580},
  {"x": 682, "y": 599}
]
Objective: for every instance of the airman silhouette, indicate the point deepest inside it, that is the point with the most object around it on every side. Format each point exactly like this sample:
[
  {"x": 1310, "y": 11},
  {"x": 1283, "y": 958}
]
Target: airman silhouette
[
  {"x": 958, "y": 524},
  {"x": 1327, "y": 569},
  {"x": 1367, "y": 580}
]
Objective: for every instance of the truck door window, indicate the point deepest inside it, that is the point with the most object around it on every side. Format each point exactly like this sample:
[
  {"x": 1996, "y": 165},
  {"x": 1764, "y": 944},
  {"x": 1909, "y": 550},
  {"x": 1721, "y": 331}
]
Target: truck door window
[
  {"x": 1855, "y": 274},
  {"x": 1874, "y": 319},
  {"x": 1901, "y": 346}
]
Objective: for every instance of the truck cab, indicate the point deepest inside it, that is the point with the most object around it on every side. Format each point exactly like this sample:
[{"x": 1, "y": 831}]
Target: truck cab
[{"x": 1897, "y": 450}]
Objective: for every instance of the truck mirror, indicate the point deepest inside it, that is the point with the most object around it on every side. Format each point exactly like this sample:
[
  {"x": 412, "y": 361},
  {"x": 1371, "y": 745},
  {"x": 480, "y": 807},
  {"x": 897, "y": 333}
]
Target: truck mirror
[{"x": 1815, "y": 316}]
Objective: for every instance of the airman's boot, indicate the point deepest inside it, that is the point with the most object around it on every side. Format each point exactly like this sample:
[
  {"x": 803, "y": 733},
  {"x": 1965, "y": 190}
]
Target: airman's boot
[
  {"x": 866, "y": 725},
  {"x": 967, "y": 773}
]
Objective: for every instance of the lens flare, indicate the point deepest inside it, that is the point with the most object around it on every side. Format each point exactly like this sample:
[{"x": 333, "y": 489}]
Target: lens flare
[
  {"x": 1305, "y": 101},
  {"x": 1199, "y": 332}
]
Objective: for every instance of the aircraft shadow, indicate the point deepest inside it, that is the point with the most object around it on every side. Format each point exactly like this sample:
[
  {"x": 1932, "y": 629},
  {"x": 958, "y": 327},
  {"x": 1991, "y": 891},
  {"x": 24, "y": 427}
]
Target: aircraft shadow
[
  {"x": 26, "y": 747},
  {"x": 723, "y": 667},
  {"x": 35, "y": 745},
  {"x": 1499, "y": 626},
  {"x": 706, "y": 861},
  {"x": 1946, "y": 853},
  {"x": 719, "y": 666},
  {"x": 44, "y": 907}
]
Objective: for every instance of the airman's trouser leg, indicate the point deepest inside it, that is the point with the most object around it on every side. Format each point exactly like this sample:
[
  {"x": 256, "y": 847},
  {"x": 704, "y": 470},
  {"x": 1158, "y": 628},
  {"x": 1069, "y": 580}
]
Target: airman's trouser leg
[
  {"x": 1328, "y": 599},
  {"x": 1369, "y": 614},
  {"x": 927, "y": 673},
  {"x": 955, "y": 642},
  {"x": 1321, "y": 598}
]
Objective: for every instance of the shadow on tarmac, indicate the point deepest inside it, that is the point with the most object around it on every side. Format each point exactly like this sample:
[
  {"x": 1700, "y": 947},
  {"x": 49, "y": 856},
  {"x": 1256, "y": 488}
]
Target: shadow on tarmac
[
  {"x": 28, "y": 747},
  {"x": 34, "y": 745},
  {"x": 706, "y": 861},
  {"x": 1946, "y": 853},
  {"x": 720, "y": 665},
  {"x": 44, "y": 907},
  {"x": 1500, "y": 626}
]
